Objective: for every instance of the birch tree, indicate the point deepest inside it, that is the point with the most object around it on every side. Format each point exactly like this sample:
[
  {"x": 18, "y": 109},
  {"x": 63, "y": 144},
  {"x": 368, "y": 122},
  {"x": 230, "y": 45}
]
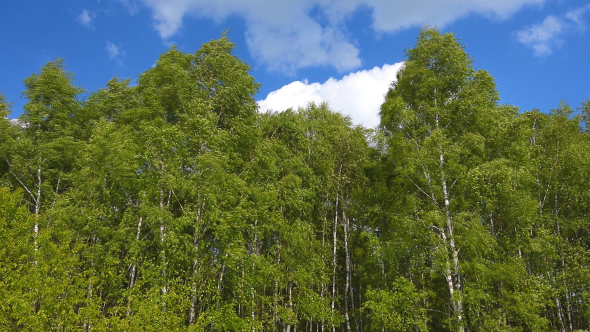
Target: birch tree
[
  {"x": 431, "y": 113},
  {"x": 45, "y": 151}
]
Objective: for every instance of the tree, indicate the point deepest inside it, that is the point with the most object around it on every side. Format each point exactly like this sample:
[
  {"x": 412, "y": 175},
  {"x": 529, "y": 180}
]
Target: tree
[
  {"x": 560, "y": 165},
  {"x": 45, "y": 149},
  {"x": 433, "y": 115},
  {"x": 53, "y": 103}
]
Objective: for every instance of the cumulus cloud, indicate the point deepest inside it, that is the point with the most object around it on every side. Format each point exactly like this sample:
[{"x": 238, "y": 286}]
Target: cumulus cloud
[
  {"x": 85, "y": 18},
  {"x": 544, "y": 37},
  {"x": 307, "y": 45},
  {"x": 287, "y": 35},
  {"x": 358, "y": 94}
]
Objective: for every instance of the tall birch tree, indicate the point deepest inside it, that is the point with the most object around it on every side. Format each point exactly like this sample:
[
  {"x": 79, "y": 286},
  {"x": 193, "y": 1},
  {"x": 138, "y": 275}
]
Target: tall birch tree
[{"x": 431, "y": 113}]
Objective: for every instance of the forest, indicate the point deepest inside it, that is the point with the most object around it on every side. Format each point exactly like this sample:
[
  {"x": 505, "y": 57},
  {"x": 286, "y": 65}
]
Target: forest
[{"x": 173, "y": 204}]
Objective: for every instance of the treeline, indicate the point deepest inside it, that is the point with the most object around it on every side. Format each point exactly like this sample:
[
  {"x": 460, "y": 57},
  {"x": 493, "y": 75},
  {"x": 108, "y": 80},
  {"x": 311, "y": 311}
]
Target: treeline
[{"x": 174, "y": 205}]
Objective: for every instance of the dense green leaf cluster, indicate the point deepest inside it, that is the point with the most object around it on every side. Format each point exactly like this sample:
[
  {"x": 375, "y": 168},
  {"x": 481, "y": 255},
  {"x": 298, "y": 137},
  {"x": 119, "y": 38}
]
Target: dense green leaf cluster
[{"x": 174, "y": 205}]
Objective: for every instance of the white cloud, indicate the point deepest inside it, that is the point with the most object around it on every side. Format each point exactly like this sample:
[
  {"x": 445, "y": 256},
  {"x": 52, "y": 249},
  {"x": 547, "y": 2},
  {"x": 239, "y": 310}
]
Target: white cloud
[
  {"x": 131, "y": 6},
  {"x": 116, "y": 52},
  {"x": 391, "y": 15},
  {"x": 85, "y": 18},
  {"x": 307, "y": 45},
  {"x": 575, "y": 16},
  {"x": 19, "y": 123},
  {"x": 544, "y": 37},
  {"x": 358, "y": 94},
  {"x": 284, "y": 35},
  {"x": 112, "y": 50}
]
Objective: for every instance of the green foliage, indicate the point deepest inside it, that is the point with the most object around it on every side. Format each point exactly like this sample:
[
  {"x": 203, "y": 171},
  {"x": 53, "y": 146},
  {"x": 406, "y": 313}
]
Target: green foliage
[
  {"x": 53, "y": 102},
  {"x": 15, "y": 259},
  {"x": 396, "y": 309},
  {"x": 6, "y": 137}
]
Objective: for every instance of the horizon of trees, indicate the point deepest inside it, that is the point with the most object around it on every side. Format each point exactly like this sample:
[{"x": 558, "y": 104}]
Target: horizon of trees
[{"x": 174, "y": 205}]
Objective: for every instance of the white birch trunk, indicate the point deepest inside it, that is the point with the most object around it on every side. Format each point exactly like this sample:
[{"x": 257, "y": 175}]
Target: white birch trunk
[
  {"x": 289, "y": 291},
  {"x": 37, "y": 209},
  {"x": 347, "y": 284},
  {"x": 196, "y": 239},
  {"x": 162, "y": 239},
  {"x": 132, "y": 273},
  {"x": 455, "y": 285},
  {"x": 334, "y": 233},
  {"x": 323, "y": 286}
]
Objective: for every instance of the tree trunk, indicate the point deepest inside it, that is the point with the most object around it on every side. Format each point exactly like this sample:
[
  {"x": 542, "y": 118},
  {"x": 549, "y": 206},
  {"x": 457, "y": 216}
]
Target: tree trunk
[
  {"x": 196, "y": 239},
  {"x": 162, "y": 239},
  {"x": 256, "y": 252},
  {"x": 219, "y": 286},
  {"x": 347, "y": 284},
  {"x": 37, "y": 209},
  {"x": 454, "y": 290},
  {"x": 324, "y": 287},
  {"x": 456, "y": 298},
  {"x": 334, "y": 261},
  {"x": 289, "y": 291},
  {"x": 132, "y": 273}
]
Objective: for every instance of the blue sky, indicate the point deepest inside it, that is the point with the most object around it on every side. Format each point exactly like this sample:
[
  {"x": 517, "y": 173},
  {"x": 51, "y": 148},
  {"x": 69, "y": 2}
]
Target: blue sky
[{"x": 343, "y": 51}]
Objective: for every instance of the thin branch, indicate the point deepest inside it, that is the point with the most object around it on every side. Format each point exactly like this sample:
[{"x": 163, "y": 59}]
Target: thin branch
[
  {"x": 431, "y": 198},
  {"x": 19, "y": 181},
  {"x": 177, "y": 200},
  {"x": 7, "y": 317},
  {"x": 453, "y": 184}
]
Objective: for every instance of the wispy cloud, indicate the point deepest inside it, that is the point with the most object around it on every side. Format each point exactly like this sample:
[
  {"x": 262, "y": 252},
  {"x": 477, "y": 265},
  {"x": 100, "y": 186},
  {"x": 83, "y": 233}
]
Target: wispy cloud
[
  {"x": 543, "y": 37},
  {"x": 577, "y": 17},
  {"x": 112, "y": 50},
  {"x": 85, "y": 18},
  {"x": 132, "y": 6},
  {"x": 116, "y": 52},
  {"x": 550, "y": 34},
  {"x": 286, "y": 36},
  {"x": 358, "y": 94}
]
